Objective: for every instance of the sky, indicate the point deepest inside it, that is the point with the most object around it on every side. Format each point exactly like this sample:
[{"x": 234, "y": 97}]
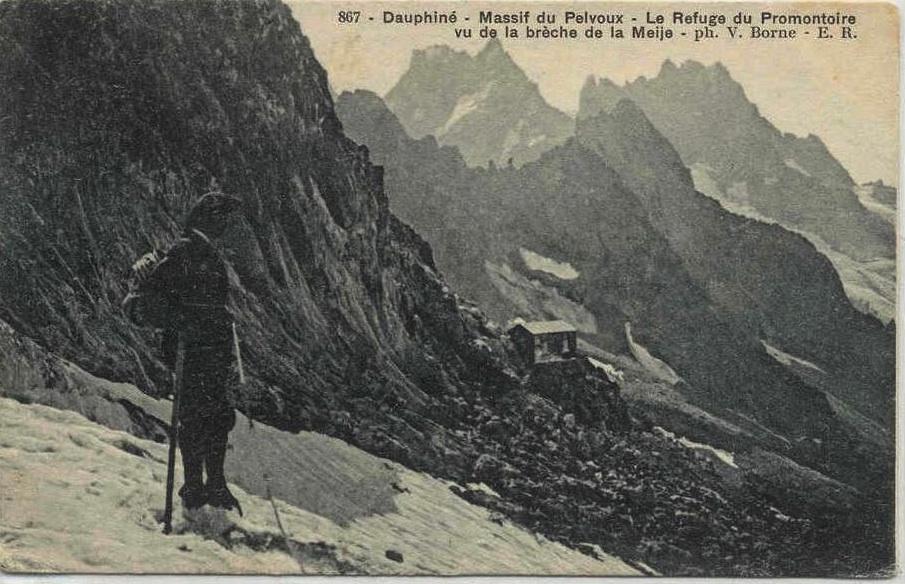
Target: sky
[{"x": 845, "y": 91}]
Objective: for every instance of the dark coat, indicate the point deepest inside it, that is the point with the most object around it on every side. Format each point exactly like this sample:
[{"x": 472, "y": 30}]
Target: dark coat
[{"x": 193, "y": 276}]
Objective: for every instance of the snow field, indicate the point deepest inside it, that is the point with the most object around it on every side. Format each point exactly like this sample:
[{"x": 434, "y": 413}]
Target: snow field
[{"x": 79, "y": 497}]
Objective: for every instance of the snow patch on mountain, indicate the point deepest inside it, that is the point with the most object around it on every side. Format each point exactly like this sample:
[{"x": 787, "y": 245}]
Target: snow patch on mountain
[
  {"x": 534, "y": 300},
  {"x": 613, "y": 374},
  {"x": 465, "y": 105},
  {"x": 535, "y": 261},
  {"x": 793, "y": 164},
  {"x": 656, "y": 367},
  {"x": 702, "y": 176},
  {"x": 514, "y": 137},
  {"x": 723, "y": 455},
  {"x": 788, "y": 359}
]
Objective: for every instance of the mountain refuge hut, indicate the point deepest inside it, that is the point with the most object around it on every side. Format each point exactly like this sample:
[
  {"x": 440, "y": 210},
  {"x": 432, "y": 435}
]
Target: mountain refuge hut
[{"x": 545, "y": 340}]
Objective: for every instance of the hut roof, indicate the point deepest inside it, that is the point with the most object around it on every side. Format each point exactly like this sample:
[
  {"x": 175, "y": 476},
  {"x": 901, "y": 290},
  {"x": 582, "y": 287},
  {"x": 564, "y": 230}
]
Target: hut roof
[{"x": 546, "y": 327}]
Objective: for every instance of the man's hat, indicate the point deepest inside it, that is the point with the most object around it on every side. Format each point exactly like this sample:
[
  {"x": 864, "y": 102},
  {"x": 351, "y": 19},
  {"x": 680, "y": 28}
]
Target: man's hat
[{"x": 213, "y": 207}]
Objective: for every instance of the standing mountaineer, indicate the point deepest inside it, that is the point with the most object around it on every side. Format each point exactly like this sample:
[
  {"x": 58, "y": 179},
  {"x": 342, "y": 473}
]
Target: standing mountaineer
[{"x": 185, "y": 292}]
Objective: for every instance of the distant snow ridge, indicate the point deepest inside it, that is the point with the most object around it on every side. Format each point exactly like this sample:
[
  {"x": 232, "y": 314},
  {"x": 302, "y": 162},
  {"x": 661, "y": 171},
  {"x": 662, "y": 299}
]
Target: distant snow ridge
[{"x": 869, "y": 285}]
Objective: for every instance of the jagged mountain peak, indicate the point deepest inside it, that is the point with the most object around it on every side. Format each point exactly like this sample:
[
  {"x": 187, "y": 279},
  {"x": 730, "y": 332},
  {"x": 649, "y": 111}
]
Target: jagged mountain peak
[
  {"x": 484, "y": 105},
  {"x": 702, "y": 83},
  {"x": 671, "y": 72},
  {"x": 699, "y": 82},
  {"x": 622, "y": 131},
  {"x": 599, "y": 94},
  {"x": 627, "y": 110},
  {"x": 633, "y": 124},
  {"x": 668, "y": 67},
  {"x": 493, "y": 50},
  {"x": 693, "y": 67},
  {"x": 495, "y": 62},
  {"x": 493, "y": 53},
  {"x": 491, "y": 59}
]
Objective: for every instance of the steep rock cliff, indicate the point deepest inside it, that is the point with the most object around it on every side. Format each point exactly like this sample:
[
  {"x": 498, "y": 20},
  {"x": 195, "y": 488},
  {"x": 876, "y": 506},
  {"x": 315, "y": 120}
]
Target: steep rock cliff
[
  {"x": 741, "y": 159},
  {"x": 116, "y": 117}
]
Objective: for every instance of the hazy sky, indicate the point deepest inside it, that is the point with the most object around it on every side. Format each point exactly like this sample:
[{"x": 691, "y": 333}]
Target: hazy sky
[{"x": 846, "y": 92}]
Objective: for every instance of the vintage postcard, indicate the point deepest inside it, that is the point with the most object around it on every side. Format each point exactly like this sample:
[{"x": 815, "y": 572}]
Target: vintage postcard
[{"x": 448, "y": 288}]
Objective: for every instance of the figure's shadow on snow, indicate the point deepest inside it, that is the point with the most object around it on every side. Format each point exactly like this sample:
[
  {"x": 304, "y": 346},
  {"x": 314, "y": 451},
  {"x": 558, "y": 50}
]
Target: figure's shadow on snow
[
  {"x": 315, "y": 554},
  {"x": 322, "y": 475},
  {"x": 312, "y": 557}
]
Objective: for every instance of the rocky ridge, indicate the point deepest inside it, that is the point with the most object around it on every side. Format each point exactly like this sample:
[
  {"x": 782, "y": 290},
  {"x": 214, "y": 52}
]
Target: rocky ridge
[{"x": 739, "y": 158}]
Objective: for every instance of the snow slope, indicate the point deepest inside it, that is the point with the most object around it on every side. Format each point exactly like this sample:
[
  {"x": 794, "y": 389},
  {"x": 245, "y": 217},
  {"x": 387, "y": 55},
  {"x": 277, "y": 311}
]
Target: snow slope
[{"x": 79, "y": 497}]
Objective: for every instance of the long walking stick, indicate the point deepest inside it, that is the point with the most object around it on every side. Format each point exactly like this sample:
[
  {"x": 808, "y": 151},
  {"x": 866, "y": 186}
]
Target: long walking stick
[
  {"x": 251, "y": 426},
  {"x": 174, "y": 435},
  {"x": 239, "y": 365}
]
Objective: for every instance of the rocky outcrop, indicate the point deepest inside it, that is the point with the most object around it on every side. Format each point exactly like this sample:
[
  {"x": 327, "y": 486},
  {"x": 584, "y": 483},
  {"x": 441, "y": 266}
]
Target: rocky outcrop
[{"x": 879, "y": 198}]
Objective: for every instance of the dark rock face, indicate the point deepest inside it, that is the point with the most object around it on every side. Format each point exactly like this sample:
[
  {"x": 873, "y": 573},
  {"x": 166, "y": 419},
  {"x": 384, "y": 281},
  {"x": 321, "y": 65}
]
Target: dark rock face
[
  {"x": 467, "y": 102},
  {"x": 116, "y": 117}
]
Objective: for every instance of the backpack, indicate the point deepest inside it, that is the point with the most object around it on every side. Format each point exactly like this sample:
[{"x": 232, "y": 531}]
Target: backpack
[{"x": 147, "y": 304}]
